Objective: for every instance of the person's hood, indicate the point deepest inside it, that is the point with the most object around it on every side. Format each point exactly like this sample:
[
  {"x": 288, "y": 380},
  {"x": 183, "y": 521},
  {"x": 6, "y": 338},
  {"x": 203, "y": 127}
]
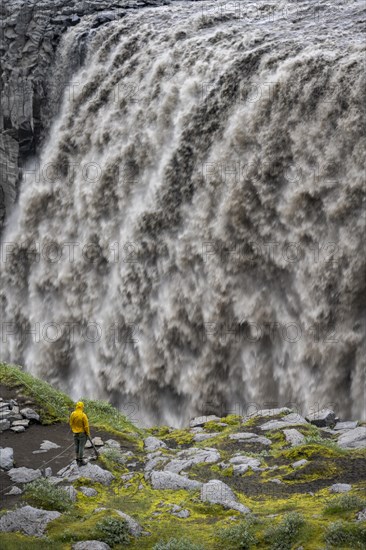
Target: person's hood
[{"x": 79, "y": 405}]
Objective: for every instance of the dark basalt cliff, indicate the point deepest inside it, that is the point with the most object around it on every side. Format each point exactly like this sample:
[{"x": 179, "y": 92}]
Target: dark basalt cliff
[{"x": 30, "y": 33}]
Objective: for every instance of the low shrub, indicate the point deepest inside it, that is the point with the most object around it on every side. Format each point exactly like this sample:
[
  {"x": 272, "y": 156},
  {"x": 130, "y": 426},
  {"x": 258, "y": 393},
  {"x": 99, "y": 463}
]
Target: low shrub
[
  {"x": 346, "y": 535},
  {"x": 177, "y": 544},
  {"x": 113, "y": 531},
  {"x": 344, "y": 503},
  {"x": 283, "y": 535},
  {"x": 237, "y": 537},
  {"x": 43, "y": 494}
]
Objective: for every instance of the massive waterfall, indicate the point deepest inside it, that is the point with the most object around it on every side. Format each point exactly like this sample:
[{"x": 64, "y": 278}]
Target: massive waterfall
[{"x": 190, "y": 237}]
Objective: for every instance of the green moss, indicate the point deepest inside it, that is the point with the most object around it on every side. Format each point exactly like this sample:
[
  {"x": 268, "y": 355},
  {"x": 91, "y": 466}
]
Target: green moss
[
  {"x": 232, "y": 419},
  {"x": 214, "y": 427},
  {"x": 180, "y": 437}
]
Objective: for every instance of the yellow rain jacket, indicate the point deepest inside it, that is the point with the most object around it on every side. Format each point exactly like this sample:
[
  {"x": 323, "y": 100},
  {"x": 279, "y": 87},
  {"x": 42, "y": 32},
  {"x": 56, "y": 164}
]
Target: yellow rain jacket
[{"x": 78, "y": 420}]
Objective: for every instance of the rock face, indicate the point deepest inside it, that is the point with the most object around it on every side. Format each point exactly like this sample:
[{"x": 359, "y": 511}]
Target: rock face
[
  {"x": 29, "y": 92},
  {"x": 30, "y": 521}
]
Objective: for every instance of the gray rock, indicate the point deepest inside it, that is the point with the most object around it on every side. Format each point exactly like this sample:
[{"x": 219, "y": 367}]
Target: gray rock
[
  {"x": 48, "y": 471},
  {"x": 70, "y": 491},
  {"x": 29, "y": 413},
  {"x": 134, "y": 527},
  {"x": 182, "y": 514},
  {"x": 127, "y": 477},
  {"x": 15, "y": 491},
  {"x": 361, "y": 516},
  {"x": 30, "y": 521},
  {"x": 24, "y": 423},
  {"x": 294, "y": 437},
  {"x": 323, "y": 418},
  {"x": 249, "y": 437},
  {"x": 10, "y": 416},
  {"x": 201, "y": 420},
  {"x": 97, "y": 441},
  {"x": 197, "y": 430},
  {"x": 270, "y": 412},
  {"x": 55, "y": 480},
  {"x": 17, "y": 429},
  {"x": 189, "y": 457},
  {"x": 24, "y": 475},
  {"x": 4, "y": 425},
  {"x": 113, "y": 444},
  {"x": 169, "y": 480},
  {"x": 249, "y": 461},
  {"x": 94, "y": 472},
  {"x": 299, "y": 463},
  {"x": 153, "y": 443},
  {"x": 217, "y": 492},
  {"x": 151, "y": 464},
  {"x": 276, "y": 480},
  {"x": 90, "y": 545},
  {"x": 353, "y": 439},
  {"x": 88, "y": 491},
  {"x": 350, "y": 425},
  {"x": 47, "y": 445},
  {"x": 285, "y": 422},
  {"x": 6, "y": 458},
  {"x": 202, "y": 436},
  {"x": 340, "y": 488}
]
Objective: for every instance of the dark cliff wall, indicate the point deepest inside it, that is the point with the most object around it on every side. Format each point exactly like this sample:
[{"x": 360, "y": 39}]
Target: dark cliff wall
[{"x": 29, "y": 35}]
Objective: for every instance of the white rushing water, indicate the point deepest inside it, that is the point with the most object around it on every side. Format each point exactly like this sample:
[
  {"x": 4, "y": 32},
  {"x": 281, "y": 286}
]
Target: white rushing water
[{"x": 197, "y": 214}]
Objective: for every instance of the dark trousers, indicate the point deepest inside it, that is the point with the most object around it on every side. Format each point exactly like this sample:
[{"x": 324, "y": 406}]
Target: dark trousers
[{"x": 79, "y": 441}]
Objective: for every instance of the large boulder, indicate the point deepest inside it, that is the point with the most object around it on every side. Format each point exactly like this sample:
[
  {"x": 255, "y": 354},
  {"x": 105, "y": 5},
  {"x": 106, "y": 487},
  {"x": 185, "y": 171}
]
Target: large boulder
[
  {"x": 23, "y": 474},
  {"x": 203, "y": 436},
  {"x": 169, "y": 480},
  {"x": 94, "y": 472},
  {"x": 353, "y": 439},
  {"x": 348, "y": 425},
  {"x": 88, "y": 491},
  {"x": 340, "y": 488},
  {"x": 28, "y": 520},
  {"x": 6, "y": 458},
  {"x": 217, "y": 492},
  {"x": 323, "y": 418},
  {"x": 152, "y": 443}
]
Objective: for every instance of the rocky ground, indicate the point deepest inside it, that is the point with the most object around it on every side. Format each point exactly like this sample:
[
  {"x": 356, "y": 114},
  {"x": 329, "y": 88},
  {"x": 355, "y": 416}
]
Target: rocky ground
[{"x": 165, "y": 482}]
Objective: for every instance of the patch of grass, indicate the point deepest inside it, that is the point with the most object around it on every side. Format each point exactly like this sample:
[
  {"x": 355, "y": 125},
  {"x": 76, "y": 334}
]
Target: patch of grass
[
  {"x": 214, "y": 427},
  {"x": 346, "y": 535},
  {"x": 240, "y": 536},
  {"x": 308, "y": 450},
  {"x": 180, "y": 437},
  {"x": 113, "y": 531},
  {"x": 103, "y": 415},
  {"x": 43, "y": 494},
  {"x": 15, "y": 541},
  {"x": 55, "y": 406},
  {"x": 344, "y": 503},
  {"x": 286, "y": 533},
  {"x": 177, "y": 544},
  {"x": 232, "y": 419}
]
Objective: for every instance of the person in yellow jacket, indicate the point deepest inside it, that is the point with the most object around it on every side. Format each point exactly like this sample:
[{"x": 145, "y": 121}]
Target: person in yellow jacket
[{"x": 80, "y": 427}]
